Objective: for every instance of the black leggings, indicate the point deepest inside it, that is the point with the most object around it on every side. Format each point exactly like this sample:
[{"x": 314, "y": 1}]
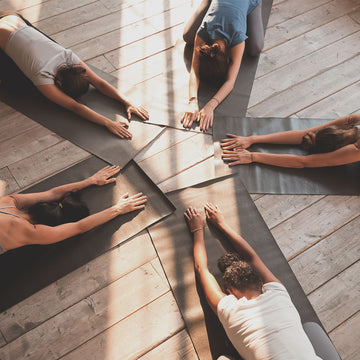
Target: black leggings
[{"x": 12, "y": 78}]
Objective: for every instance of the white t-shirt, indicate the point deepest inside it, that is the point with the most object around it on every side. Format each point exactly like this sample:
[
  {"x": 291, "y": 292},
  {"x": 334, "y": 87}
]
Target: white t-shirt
[
  {"x": 266, "y": 327},
  {"x": 37, "y": 56}
]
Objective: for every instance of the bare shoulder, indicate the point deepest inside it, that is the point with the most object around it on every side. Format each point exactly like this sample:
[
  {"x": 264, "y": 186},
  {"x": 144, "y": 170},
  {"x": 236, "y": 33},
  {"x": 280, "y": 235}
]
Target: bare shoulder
[{"x": 8, "y": 200}]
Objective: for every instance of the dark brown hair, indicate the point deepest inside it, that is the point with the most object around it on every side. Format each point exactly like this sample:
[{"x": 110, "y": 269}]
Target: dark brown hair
[
  {"x": 72, "y": 80},
  {"x": 53, "y": 213},
  {"x": 325, "y": 140},
  {"x": 213, "y": 64},
  {"x": 241, "y": 276}
]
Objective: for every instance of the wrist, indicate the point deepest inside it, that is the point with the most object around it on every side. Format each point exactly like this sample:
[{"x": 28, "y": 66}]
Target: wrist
[
  {"x": 197, "y": 229},
  {"x": 252, "y": 139},
  {"x": 193, "y": 100}
]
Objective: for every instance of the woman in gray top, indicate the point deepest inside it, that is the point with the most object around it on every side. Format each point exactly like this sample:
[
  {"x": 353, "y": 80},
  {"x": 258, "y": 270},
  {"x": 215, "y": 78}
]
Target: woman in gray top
[{"x": 57, "y": 72}]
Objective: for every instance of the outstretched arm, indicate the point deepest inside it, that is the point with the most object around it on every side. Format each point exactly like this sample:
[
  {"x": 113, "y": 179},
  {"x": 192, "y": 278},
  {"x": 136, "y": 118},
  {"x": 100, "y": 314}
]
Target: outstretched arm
[
  {"x": 58, "y": 97},
  {"x": 206, "y": 114},
  {"x": 214, "y": 216},
  {"x": 42, "y": 234},
  {"x": 293, "y": 137},
  {"x": 102, "y": 177},
  {"x": 107, "y": 89},
  {"x": 211, "y": 287},
  {"x": 345, "y": 155}
]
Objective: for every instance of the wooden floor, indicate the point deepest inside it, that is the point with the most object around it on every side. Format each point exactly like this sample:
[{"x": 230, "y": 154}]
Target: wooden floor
[{"x": 119, "y": 306}]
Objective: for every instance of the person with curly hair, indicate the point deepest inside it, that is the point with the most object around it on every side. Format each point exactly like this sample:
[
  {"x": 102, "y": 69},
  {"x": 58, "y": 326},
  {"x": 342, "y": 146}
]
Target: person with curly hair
[
  {"x": 257, "y": 313},
  {"x": 56, "y": 72},
  {"x": 334, "y": 143},
  {"x": 218, "y": 29}
]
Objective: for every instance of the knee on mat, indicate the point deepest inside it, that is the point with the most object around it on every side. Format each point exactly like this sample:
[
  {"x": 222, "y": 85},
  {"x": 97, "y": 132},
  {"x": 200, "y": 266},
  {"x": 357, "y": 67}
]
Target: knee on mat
[{"x": 255, "y": 49}]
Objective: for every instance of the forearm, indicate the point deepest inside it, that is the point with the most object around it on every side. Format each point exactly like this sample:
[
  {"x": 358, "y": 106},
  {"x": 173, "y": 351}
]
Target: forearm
[
  {"x": 241, "y": 246},
  {"x": 221, "y": 94},
  {"x": 293, "y": 137},
  {"x": 193, "y": 85},
  {"x": 60, "y": 191},
  {"x": 88, "y": 114},
  {"x": 200, "y": 256},
  {"x": 108, "y": 90}
]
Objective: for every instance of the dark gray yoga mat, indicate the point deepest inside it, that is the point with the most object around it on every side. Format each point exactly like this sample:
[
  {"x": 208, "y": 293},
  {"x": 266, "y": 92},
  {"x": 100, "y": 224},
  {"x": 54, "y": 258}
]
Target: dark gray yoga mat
[
  {"x": 166, "y": 105},
  {"x": 28, "y": 269},
  {"x": 174, "y": 245},
  {"x": 92, "y": 137},
  {"x": 260, "y": 178}
]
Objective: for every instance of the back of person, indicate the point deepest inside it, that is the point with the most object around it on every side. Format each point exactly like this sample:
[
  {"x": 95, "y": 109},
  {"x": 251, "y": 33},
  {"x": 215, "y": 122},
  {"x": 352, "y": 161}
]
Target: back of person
[{"x": 266, "y": 327}]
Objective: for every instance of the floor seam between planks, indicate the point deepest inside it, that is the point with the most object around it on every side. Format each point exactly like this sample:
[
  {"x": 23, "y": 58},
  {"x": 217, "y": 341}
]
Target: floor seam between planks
[
  {"x": 308, "y": 54},
  {"x": 115, "y": 323},
  {"x": 277, "y": 93},
  {"x": 323, "y": 98},
  {"x": 331, "y": 278},
  {"x": 303, "y": 209},
  {"x": 323, "y": 237},
  {"x": 343, "y": 322}
]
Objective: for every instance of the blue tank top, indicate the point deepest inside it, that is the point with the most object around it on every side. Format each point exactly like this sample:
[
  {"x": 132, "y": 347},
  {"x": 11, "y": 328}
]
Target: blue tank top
[{"x": 226, "y": 20}]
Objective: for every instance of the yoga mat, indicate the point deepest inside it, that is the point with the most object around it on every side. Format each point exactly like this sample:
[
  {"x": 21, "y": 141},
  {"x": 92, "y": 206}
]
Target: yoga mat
[
  {"x": 260, "y": 178},
  {"x": 92, "y": 137},
  {"x": 167, "y": 104},
  {"x": 28, "y": 269},
  {"x": 174, "y": 245}
]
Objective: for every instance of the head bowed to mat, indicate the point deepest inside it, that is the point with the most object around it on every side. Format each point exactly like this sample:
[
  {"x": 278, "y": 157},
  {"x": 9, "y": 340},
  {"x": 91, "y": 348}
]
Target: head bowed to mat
[
  {"x": 92, "y": 137},
  {"x": 30, "y": 268},
  {"x": 174, "y": 245},
  {"x": 168, "y": 103},
  {"x": 260, "y": 178}
]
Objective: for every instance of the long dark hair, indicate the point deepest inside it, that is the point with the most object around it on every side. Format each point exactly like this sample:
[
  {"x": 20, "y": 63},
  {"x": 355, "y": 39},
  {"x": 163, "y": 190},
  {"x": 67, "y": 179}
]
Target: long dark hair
[
  {"x": 325, "y": 140},
  {"x": 72, "y": 80},
  {"x": 213, "y": 63},
  {"x": 53, "y": 213}
]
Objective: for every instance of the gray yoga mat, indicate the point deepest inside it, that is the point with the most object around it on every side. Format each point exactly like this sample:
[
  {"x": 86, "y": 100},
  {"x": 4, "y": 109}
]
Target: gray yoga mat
[
  {"x": 167, "y": 103},
  {"x": 174, "y": 245},
  {"x": 28, "y": 269},
  {"x": 92, "y": 137},
  {"x": 260, "y": 178}
]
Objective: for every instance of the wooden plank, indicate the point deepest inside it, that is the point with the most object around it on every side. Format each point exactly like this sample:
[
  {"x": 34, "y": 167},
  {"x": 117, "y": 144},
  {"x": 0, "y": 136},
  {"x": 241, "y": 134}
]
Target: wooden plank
[
  {"x": 342, "y": 102},
  {"x": 177, "y": 158},
  {"x": 13, "y": 124},
  {"x": 193, "y": 175},
  {"x": 278, "y": 208},
  {"x": 18, "y": 4},
  {"x": 76, "y": 286},
  {"x": 8, "y": 184},
  {"x": 346, "y": 338},
  {"x": 314, "y": 223},
  {"x": 91, "y": 316},
  {"x": 178, "y": 347},
  {"x": 5, "y": 110},
  {"x": 328, "y": 258},
  {"x": 169, "y": 138},
  {"x": 149, "y": 326},
  {"x": 342, "y": 298},
  {"x": 146, "y": 47},
  {"x": 306, "y": 44},
  {"x": 309, "y": 92},
  {"x": 304, "y": 68},
  {"x": 148, "y": 68},
  {"x": 68, "y": 20},
  {"x": 50, "y": 8},
  {"x": 286, "y": 10},
  {"x": 115, "y": 5},
  {"x": 103, "y": 64},
  {"x": 26, "y": 144},
  {"x": 2, "y": 340},
  {"x": 139, "y": 18},
  {"x": 46, "y": 163},
  {"x": 306, "y": 22}
]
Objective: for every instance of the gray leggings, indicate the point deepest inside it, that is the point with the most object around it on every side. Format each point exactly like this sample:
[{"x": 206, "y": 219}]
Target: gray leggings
[{"x": 255, "y": 29}]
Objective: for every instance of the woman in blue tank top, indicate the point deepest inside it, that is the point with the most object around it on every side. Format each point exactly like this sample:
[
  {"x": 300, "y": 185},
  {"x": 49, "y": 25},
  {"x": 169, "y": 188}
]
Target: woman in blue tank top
[{"x": 218, "y": 31}]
